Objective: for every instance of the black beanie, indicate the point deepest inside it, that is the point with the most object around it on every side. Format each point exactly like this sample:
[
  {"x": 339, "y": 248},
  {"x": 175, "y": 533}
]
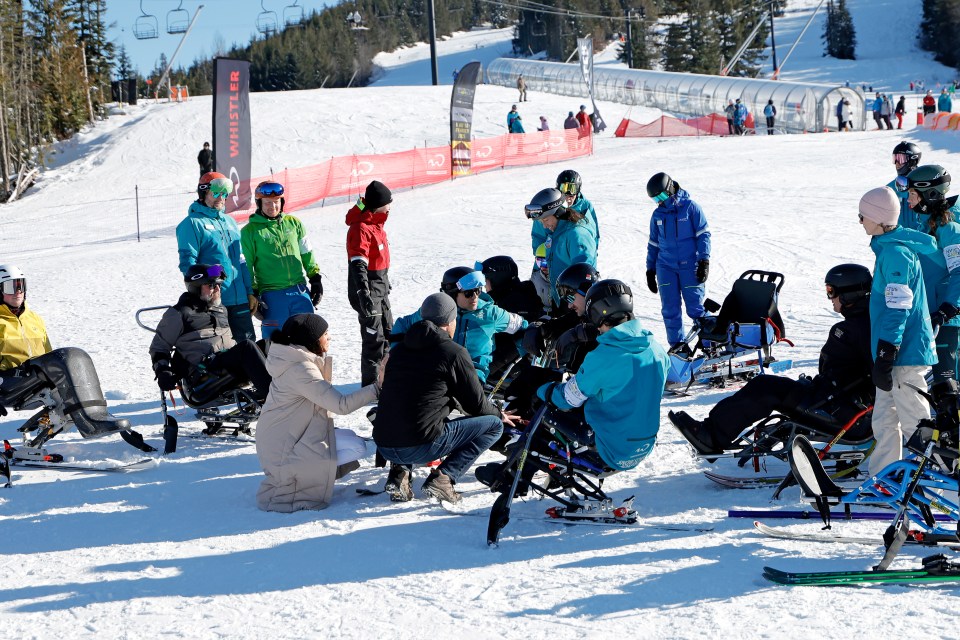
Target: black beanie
[
  {"x": 376, "y": 195},
  {"x": 303, "y": 329}
]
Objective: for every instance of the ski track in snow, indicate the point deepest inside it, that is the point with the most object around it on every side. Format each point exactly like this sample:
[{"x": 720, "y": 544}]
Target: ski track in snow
[{"x": 182, "y": 551}]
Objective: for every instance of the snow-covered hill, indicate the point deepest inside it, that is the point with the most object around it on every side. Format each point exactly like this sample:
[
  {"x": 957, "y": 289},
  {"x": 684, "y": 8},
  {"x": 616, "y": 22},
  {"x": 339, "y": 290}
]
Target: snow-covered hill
[{"x": 182, "y": 551}]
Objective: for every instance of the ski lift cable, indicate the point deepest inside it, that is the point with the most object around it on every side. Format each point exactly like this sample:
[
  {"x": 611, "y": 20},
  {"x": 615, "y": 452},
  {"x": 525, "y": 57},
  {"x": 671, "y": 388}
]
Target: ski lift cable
[{"x": 554, "y": 12}]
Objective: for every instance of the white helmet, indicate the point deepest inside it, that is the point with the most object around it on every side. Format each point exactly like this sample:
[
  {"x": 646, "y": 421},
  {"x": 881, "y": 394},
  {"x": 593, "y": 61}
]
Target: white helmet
[{"x": 10, "y": 277}]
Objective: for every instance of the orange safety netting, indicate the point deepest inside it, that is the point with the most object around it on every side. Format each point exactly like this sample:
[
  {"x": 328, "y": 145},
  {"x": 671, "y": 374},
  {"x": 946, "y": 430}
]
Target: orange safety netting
[
  {"x": 943, "y": 120},
  {"x": 665, "y": 126},
  {"x": 349, "y": 175}
]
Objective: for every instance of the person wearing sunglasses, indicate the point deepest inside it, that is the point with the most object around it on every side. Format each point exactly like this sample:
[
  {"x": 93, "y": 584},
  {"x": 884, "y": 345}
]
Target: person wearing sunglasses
[
  {"x": 678, "y": 255},
  {"x": 570, "y": 240},
  {"x": 569, "y": 183},
  {"x": 927, "y": 188},
  {"x": 26, "y": 355},
  {"x": 368, "y": 281},
  {"x": 906, "y": 157},
  {"x": 208, "y": 235},
  {"x": 841, "y": 389},
  {"x": 478, "y": 318},
  {"x": 194, "y": 337},
  {"x": 900, "y": 330},
  {"x": 278, "y": 254}
]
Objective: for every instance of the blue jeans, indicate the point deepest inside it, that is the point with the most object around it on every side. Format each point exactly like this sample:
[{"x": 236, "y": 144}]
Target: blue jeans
[
  {"x": 460, "y": 444},
  {"x": 281, "y": 304}
]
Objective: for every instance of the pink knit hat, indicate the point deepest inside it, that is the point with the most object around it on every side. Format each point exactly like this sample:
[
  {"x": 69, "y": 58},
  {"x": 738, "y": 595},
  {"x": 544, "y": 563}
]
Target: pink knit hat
[{"x": 880, "y": 205}]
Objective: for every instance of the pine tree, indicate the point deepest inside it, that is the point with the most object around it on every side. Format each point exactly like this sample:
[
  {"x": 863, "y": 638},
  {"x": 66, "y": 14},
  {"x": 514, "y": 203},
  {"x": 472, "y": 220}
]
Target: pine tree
[
  {"x": 829, "y": 31},
  {"x": 846, "y": 35}
]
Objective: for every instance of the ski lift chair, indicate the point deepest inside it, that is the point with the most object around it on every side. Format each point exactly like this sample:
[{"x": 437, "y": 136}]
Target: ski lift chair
[
  {"x": 293, "y": 15},
  {"x": 178, "y": 20},
  {"x": 223, "y": 403},
  {"x": 539, "y": 28},
  {"x": 267, "y": 23},
  {"x": 738, "y": 341},
  {"x": 145, "y": 27}
]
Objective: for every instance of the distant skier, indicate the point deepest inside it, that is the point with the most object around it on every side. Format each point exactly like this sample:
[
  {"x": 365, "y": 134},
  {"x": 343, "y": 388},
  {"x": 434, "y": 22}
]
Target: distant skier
[
  {"x": 522, "y": 88},
  {"x": 770, "y": 113},
  {"x": 205, "y": 159}
]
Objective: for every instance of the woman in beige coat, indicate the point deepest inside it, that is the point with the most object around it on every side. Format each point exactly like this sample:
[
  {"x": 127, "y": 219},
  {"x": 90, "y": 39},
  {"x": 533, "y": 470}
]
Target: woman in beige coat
[{"x": 300, "y": 451}]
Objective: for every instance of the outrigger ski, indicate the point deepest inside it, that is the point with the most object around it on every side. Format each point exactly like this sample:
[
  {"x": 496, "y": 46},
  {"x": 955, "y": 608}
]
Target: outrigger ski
[
  {"x": 936, "y": 568},
  {"x": 847, "y": 514},
  {"x": 137, "y": 465}
]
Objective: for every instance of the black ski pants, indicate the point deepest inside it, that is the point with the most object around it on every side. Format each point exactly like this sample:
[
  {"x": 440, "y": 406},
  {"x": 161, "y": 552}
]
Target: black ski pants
[
  {"x": 760, "y": 397},
  {"x": 244, "y": 361}
]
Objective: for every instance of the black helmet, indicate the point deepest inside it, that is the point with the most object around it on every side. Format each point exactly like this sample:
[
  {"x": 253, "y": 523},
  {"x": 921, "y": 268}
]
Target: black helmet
[
  {"x": 577, "y": 278},
  {"x": 499, "y": 270},
  {"x": 569, "y": 182},
  {"x": 547, "y": 202},
  {"x": 850, "y": 282},
  {"x": 932, "y": 182},
  {"x": 608, "y": 300},
  {"x": 451, "y": 282},
  {"x": 201, "y": 274},
  {"x": 912, "y": 153},
  {"x": 661, "y": 183}
]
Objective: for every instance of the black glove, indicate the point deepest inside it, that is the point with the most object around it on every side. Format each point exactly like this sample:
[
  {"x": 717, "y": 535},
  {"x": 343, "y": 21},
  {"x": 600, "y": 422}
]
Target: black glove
[
  {"x": 166, "y": 379},
  {"x": 533, "y": 341},
  {"x": 703, "y": 270},
  {"x": 262, "y": 307},
  {"x": 571, "y": 339},
  {"x": 316, "y": 289},
  {"x": 652, "y": 280},
  {"x": 944, "y": 314},
  {"x": 883, "y": 365}
]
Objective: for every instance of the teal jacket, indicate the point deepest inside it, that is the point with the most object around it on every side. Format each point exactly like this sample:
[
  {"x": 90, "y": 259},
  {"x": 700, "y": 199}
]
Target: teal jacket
[
  {"x": 909, "y": 218},
  {"x": 539, "y": 234},
  {"x": 619, "y": 385},
  {"x": 208, "y": 236},
  {"x": 899, "y": 313},
  {"x": 475, "y": 330},
  {"x": 569, "y": 244}
]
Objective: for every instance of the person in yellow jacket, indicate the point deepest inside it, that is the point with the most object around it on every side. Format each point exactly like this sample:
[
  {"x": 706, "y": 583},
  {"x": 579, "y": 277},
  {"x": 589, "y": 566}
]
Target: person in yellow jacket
[{"x": 29, "y": 363}]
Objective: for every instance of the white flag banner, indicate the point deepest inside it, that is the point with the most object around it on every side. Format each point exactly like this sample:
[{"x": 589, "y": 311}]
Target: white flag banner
[{"x": 585, "y": 52}]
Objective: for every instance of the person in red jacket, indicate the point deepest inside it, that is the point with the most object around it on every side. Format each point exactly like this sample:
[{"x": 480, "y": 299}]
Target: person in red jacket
[
  {"x": 368, "y": 285},
  {"x": 929, "y": 104},
  {"x": 583, "y": 120}
]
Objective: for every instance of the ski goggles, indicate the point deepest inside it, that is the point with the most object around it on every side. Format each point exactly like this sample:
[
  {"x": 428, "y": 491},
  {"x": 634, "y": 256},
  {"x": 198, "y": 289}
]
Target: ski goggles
[
  {"x": 16, "y": 285},
  {"x": 541, "y": 263},
  {"x": 568, "y": 188},
  {"x": 900, "y": 158},
  {"x": 661, "y": 197},
  {"x": 269, "y": 190},
  {"x": 213, "y": 271},
  {"x": 220, "y": 187},
  {"x": 832, "y": 292},
  {"x": 567, "y": 293},
  {"x": 473, "y": 281},
  {"x": 535, "y": 212},
  {"x": 901, "y": 183}
]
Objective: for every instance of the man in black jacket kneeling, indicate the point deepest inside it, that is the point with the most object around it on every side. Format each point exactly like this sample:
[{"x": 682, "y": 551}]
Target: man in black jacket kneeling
[{"x": 427, "y": 375}]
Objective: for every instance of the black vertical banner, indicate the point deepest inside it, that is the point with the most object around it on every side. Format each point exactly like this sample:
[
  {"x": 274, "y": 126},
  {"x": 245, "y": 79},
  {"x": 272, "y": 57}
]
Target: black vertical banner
[
  {"x": 461, "y": 117},
  {"x": 231, "y": 127}
]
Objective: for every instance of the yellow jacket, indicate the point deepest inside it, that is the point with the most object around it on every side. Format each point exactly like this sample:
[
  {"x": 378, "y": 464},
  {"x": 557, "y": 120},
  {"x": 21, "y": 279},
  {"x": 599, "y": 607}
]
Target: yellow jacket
[{"x": 21, "y": 337}]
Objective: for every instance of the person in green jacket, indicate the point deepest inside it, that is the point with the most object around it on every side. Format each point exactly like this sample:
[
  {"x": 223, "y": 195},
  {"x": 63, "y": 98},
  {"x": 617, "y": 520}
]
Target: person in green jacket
[{"x": 278, "y": 253}]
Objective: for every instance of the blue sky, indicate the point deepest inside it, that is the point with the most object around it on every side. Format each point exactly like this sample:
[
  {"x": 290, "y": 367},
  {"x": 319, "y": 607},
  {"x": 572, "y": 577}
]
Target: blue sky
[{"x": 228, "y": 21}]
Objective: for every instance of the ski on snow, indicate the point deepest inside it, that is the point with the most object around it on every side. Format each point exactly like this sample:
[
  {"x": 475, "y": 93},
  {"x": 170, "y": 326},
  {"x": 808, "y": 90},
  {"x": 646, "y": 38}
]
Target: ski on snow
[
  {"x": 137, "y": 465},
  {"x": 935, "y": 569},
  {"x": 815, "y": 515},
  {"x": 783, "y": 534}
]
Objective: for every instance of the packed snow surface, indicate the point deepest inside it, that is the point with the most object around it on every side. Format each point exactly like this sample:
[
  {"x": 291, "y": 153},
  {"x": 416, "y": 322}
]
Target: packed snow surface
[{"x": 181, "y": 550}]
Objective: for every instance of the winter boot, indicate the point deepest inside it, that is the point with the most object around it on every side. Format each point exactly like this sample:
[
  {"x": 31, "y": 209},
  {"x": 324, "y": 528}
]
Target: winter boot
[
  {"x": 398, "y": 483},
  {"x": 440, "y": 486},
  {"x": 695, "y": 433},
  {"x": 75, "y": 377}
]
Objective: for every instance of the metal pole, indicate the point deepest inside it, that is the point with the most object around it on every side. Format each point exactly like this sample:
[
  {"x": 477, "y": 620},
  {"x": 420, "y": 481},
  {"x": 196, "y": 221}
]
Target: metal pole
[
  {"x": 166, "y": 72},
  {"x": 432, "y": 24},
  {"x": 626, "y": 12},
  {"x": 773, "y": 40},
  {"x": 136, "y": 197},
  {"x": 802, "y": 31}
]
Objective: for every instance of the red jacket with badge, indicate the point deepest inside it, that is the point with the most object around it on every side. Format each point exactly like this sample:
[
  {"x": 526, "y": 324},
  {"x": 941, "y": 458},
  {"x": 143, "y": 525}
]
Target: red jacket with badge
[{"x": 368, "y": 253}]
